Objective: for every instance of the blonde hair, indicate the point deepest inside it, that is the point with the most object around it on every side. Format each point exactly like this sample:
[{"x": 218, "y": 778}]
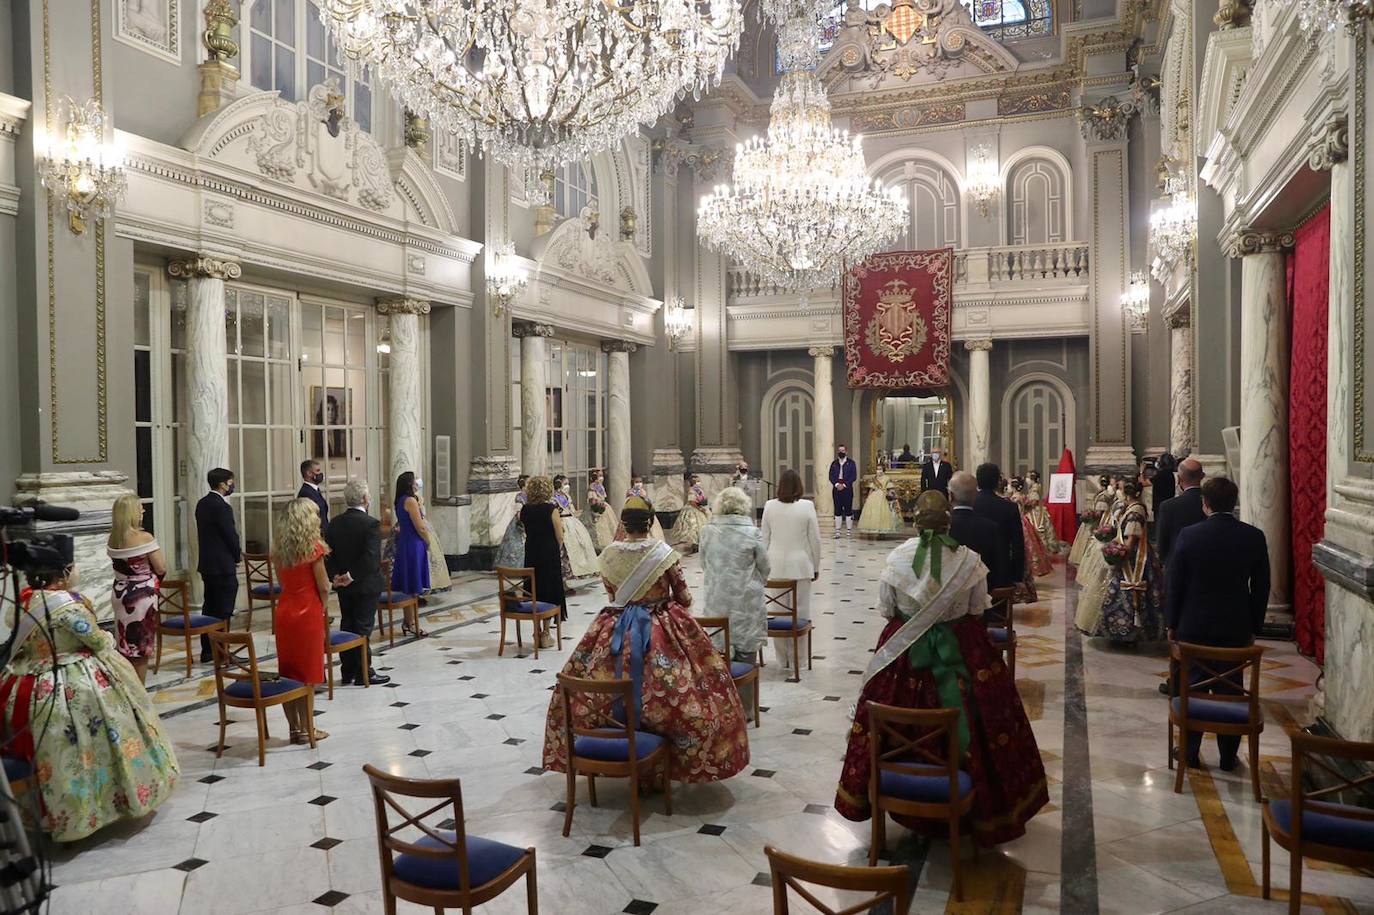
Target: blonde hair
[
  {"x": 125, "y": 518},
  {"x": 539, "y": 489},
  {"x": 734, "y": 501},
  {"x": 297, "y": 534}
]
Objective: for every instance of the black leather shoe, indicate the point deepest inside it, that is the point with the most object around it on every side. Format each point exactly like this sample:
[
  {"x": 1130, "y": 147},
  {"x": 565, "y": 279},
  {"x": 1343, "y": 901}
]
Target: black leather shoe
[
  {"x": 374, "y": 679},
  {"x": 1164, "y": 689},
  {"x": 206, "y": 657},
  {"x": 1229, "y": 765}
]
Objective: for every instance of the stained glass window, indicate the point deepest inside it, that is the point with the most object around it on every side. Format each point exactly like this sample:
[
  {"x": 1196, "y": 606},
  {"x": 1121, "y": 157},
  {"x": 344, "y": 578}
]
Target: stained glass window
[{"x": 1004, "y": 20}]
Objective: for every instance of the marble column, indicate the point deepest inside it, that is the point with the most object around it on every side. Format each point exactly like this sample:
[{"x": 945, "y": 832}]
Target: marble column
[
  {"x": 823, "y": 424},
  {"x": 405, "y": 436},
  {"x": 979, "y": 402},
  {"x": 1264, "y": 405},
  {"x": 618, "y": 420},
  {"x": 207, "y": 379},
  {"x": 1179, "y": 322},
  {"x": 534, "y": 382}
]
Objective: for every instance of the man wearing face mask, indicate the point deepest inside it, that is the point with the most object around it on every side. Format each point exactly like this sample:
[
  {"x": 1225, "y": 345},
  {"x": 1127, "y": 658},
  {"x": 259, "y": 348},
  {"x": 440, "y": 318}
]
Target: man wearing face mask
[
  {"x": 936, "y": 473},
  {"x": 844, "y": 473},
  {"x": 220, "y": 554},
  {"x": 311, "y": 478}
]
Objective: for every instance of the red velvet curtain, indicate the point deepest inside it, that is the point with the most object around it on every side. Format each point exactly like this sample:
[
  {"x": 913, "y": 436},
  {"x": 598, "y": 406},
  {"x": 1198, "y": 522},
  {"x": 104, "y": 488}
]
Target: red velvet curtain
[{"x": 1308, "y": 288}]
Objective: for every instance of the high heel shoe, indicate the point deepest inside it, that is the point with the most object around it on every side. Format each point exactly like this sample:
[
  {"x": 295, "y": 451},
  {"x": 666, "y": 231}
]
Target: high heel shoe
[
  {"x": 299, "y": 737},
  {"x": 417, "y": 631}
]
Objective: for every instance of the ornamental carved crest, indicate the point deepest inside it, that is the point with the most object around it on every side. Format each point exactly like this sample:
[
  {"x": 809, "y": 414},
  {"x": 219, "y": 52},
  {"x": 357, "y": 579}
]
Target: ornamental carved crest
[
  {"x": 905, "y": 38},
  {"x": 897, "y": 329}
]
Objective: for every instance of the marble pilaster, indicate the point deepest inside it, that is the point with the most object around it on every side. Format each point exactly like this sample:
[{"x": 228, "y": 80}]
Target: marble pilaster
[
  {"x": 534, "y": 382},
  {"x": 619, "y": 458},
  {"x": 669, "y": 491},
  {"x": 823, "y": 359},
  {"x": 1264, "y": 348},
  {"x": 979, "y": 402},
  {"x": 492, "y": 487},
  {"x": 1180, "y": 380},
  {"x": 405, "y": 435}
]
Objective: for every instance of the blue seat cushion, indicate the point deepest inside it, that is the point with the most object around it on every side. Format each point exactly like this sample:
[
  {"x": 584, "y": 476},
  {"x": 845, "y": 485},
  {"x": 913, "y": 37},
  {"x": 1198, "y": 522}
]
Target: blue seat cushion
[
  {"x": 243, "y": 689},
  {"x": 338, "y": 636},
  {"x": 529, "y": 607},
  {"x": 486, "y": 861},
  {"x": 616, "y": 749},
  {"x": 265, "y": 590},
  {"x": 1211, "y": 710},
  {"x": 924, "y": 789},
  {"x": 1326, "y": 828},
  {"x": 998, "y": 635},
  {"x": 16, "y": 768},
  {"x": 785, "y": 622},
  {"x": 740, "y": 668},
  {"x": 197, "y": 620}
]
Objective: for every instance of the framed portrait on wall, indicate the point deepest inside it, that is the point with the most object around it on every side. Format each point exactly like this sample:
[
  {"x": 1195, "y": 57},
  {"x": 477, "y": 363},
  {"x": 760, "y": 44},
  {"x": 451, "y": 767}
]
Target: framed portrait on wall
[{"x": 329, "y": 406}]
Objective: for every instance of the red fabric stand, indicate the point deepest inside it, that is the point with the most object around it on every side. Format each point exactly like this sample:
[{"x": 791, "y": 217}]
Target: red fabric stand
[{"x": 1065, "y": 517}]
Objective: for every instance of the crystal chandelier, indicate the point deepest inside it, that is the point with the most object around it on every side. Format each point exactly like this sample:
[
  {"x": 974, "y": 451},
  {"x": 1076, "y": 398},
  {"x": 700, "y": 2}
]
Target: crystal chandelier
[
  {"x": 1135, "y": 301},
  {"x": 506, "y": 279},
  {"x": 983, "y": 184},
  {"x": 84, "y": 174},
  {"x": 677, "y": 320},
  {"x": 1172, "y": 230},
  {"x": 802, "y": 204},
  {"x": 1318, "y": 16},
  {"x": 538, "y": 83}
]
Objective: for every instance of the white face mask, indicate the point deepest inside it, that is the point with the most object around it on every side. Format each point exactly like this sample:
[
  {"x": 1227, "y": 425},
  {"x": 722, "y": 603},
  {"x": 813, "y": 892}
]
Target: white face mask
[{"x": 419, "y": 484}]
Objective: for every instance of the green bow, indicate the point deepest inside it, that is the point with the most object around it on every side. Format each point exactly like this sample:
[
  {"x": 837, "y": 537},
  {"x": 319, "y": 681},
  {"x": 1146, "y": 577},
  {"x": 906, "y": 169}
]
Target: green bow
[
  {"x": 928, "y": 538},
  {"x": 938, "y": 651}
]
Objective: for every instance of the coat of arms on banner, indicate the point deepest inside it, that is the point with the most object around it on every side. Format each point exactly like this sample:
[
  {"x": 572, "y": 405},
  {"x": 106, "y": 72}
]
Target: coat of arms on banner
[
  {"x": 897, "y": 329},
  {"x": 898, "y": 308}
]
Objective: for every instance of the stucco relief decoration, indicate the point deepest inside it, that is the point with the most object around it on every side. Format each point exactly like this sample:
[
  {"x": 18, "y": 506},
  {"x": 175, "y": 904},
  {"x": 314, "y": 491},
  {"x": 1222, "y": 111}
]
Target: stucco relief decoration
[
  {"x": 578, "y": 248},
  {"x": 1106, "y": 120},
  {"x": 908, "y": 117},
  {"x": 911, "y": 37},
  {"x": 152, "y": 26},
  {"x": 897, "y": 309},
  {"x": 1031, "y": 102}
]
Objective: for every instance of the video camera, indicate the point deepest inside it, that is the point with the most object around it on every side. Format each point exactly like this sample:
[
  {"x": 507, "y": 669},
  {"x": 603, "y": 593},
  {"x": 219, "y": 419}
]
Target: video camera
[{"x": 24, "y": 550}]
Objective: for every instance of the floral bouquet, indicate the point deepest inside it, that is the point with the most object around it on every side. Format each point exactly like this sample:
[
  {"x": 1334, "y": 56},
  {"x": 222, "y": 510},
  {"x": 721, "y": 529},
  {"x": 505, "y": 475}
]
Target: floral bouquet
[
  {"x": 1089, "y": 517},
  {"x": 1105, "y": 533},
  {"x": 1114, "y": 553},
  {"x": 598, "y": 508}
]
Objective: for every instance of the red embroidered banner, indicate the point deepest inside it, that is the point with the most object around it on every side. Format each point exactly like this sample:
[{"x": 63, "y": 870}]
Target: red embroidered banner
[{"x": 898, "y": 307}]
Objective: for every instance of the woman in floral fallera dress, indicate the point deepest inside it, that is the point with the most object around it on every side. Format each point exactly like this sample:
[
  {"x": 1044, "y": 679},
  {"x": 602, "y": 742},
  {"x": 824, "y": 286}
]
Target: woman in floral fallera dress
[
  {"x": 96, "y": 745},
  {"x": 138, "y": 565},
  {"x": 693, "y": 517},
  {"x": 600, "y": 517},
  {"x": 647, "y": 633}
]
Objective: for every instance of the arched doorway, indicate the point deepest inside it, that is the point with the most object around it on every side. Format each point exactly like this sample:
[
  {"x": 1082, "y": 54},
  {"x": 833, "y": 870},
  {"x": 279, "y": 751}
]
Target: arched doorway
[
  {"x": 1037, "y": 425},
  {"x": 788, "y": 424}
]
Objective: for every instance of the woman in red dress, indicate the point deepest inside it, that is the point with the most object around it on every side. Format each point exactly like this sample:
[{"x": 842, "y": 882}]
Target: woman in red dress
[{"x": 298, "y": 555}]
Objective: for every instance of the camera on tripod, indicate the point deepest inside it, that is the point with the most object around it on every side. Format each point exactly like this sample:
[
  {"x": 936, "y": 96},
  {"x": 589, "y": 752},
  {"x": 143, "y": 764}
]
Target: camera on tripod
[{"x": 26, "y": 550}]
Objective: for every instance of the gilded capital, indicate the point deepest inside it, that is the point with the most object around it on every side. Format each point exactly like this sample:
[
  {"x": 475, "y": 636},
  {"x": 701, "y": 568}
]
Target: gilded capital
[
  {"x": 203, "y": 267},
  {"x": 978, "y": 346},
  {"x": 618, "y": 346},
  {"x": 402, "y": 305},
  {"x": 1180, "y": 317},
  {"x": 1330, "y": 146},
  {"x": 826, "y": 351},
  {"x": 1106, "y": 120},
  {"x": 1245, "y": 243},
  {"x": 530, "y": 329}
]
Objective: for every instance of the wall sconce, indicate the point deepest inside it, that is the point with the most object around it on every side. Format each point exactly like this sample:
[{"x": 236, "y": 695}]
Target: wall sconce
[
  {"x": 384, "y": 344},
  {"x": 984, "y": 184},
  {"x": 628, "y": 219},
  {"x": 677, "y": 320},
  {"x": 1135, "y": 301},
  {"x": 81, "y": 168},
  {"x": 505, "y": 278}
]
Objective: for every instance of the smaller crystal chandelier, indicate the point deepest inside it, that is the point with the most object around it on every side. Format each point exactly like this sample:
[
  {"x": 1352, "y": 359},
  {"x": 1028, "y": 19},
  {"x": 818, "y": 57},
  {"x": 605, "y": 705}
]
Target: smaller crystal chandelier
[
  {"x": 677, "y": 320},
  {"x": 1318, "y": 16},
  {"x": 505, "y": 278},
  {"x": 1173, "y": 228},
  {"x": 1135, "y": 301},
  {"x": 983, "y": 184},
  {"x": 384, "y": 344},
  {"x": 80, "y": 168}
]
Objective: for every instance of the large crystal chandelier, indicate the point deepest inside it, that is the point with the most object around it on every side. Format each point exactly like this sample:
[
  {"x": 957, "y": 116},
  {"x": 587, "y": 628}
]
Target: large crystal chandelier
[
  {"x": 1318, "y": 16},
  {"x": 802, "y": 204},
  {"x": 538, "y": 82}
]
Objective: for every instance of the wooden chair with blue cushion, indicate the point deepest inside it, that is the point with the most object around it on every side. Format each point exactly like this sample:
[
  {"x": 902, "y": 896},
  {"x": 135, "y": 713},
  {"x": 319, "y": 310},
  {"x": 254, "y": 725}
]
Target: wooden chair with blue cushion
[
  {"x": 1000, "y": 623},
  {"x": 262, "y": 584},
  {"x": 174, "y": 618},
  {"x": 1316, "y": 821},
  {"x": 515, "y": 591},
  {"x": 608, "y": 742},
  {"x": 337, "y": 640},
  {"x": 19, "y": 773},
  {"x": 1213, "y": 697},
  {"x": 914, "y": 771},
  {"x": 239, "y": 683},
  {"x": 440, "y": 867},
  {"x": 780, "y": 602},
  {"x": 890, "y": 886},
  {"x": 393, "y": 601},
  {"x": 742, "y": 672}
]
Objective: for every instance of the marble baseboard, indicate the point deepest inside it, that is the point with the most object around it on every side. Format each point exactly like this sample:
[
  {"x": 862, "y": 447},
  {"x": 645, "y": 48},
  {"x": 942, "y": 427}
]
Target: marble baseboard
[
  {"x": 489, "y": 517},
  {"x": 669, "y": 492},
  {"x": 1109, "y": 459},
  {"x": 453, "y": 525},
  {"x": 1349, "y": 666}
]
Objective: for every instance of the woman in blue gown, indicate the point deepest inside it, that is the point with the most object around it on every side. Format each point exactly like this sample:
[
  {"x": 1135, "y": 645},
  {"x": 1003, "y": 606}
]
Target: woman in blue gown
[{"x": 410, "y": 570}]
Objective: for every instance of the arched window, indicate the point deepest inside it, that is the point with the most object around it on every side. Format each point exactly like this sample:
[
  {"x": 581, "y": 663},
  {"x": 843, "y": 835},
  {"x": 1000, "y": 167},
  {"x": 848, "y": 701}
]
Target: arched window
[
  {"x": 1036, "y": 210},
  {"x": 932, "y": 197},
  {"x": 1037, "y": 428},
  {"x": 574, "y": 187},
  {"x": 287, "y": 50}
]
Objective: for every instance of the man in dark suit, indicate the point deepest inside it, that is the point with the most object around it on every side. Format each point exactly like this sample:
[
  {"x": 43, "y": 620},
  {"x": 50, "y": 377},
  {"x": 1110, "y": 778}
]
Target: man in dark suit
[
  {"x": 936, "y": 473},
  {"x": 219, "y": 551},
  {"x": 978, "y": 534},
  {"x": 844, "y": 473},
  {"x": 311, "y": 478},
  {"x": 1217, "y": 588},
  {"x": 1183, "y": 510},
  {"x": 355, "y": 565},
  {"x": 1003, "y": 513}
]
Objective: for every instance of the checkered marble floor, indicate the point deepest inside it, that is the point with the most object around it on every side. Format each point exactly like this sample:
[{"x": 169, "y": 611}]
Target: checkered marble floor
[{"x": 298, "y": 836}]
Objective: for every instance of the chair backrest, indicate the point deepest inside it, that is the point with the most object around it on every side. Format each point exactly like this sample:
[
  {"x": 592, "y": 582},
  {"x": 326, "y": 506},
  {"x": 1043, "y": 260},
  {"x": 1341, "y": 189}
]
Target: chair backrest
[
  {"x": 910, "y": 741},
  {"x": 387, "y": 566},
  {"x": 257, "y": 569},
  {"x": 599, "y": 700},
  {"x": 711, "y": 625},
  {"x": 514, "y": 586},
  {"x": 1223, "y": 668},
  {"x": 1311, "y": 754},
  {"x": 448, "y": 795},
  {"x": 172, "y": 600},
  {"x": 999, "y": 615},
  {"x": 236, "y": 659},
  {"x": 889, "y": 885},
  {"x": 780, "y": 598}
]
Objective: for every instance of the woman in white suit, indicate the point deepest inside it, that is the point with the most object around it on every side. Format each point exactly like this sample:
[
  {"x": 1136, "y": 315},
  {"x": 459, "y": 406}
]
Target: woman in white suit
[{"x": 792, "y": 537}]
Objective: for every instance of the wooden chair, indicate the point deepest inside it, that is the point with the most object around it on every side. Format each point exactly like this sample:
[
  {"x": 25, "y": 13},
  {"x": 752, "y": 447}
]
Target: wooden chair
[
  {"x": 889, "y": 885},
  {"x": 1001, "y": 626},
  {"x": 443, "y": 868},
  {"x": 262, "y": 584},
  {"x": 609, "y": 746},
  {"x": 408, "y": 604},
  {"x": 339, "y": 640},
  {"x": 174, "y": 618},
  {"x": 19, "y": 773},
  {"x": 1233, "y": 710},
  {"x": 780, "y": 601},
  {"x": 515, "y": 590},
  {"x": 741, "y": 672},
  {"x": 1310, "y": 823},
  {"x": 917, "y": 776},
  {"x": 236, "y": 662}
]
